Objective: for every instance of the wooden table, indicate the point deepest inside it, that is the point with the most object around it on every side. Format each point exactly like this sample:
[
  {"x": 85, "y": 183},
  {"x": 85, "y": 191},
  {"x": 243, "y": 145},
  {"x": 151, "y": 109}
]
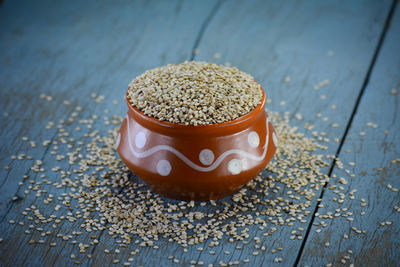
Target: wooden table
[{"x": 70, "y": 49}]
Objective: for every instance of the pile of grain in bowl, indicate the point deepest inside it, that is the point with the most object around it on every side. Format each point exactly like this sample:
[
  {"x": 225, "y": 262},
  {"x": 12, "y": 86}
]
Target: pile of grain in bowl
[{"x": 194, "y": 93}]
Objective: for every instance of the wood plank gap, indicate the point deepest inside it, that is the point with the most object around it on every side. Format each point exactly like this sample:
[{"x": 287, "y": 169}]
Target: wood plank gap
[
  {"x": 350, "y": 121},
  {"x": 94, "y": 246},
  {"x": 192, "y": 56},
  {"x": 203, "y": 28}
]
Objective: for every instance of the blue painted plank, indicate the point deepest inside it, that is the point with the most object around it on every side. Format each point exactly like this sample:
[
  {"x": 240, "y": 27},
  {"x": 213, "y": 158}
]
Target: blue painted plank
[
  {"x": 376, "y": 169},
  {"x": 60, "y": 49},
  {"x": 69, "y": 51},
  {"x": 82, "y": 49},
  {"x": 290, "y": 49},
  {"x": 228, "y": 36}
]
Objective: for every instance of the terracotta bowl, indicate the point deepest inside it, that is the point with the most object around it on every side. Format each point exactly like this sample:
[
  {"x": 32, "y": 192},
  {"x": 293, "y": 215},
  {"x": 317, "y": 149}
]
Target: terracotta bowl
[{"x": 196, "y": 162}]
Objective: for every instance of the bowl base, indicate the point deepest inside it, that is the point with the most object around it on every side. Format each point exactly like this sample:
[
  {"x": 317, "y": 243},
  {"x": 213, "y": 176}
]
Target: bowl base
[{"x": 194, "y": 197}]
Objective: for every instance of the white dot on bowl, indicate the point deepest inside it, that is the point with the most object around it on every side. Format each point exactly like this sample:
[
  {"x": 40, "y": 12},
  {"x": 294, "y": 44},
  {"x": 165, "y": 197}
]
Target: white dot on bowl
[
  {"x": 140, "y": 139},
  {"x": 253, "y": 139},
  {"x": 235, "y": 166},
  {"x": 164, "y": 167},
  {"x": 275, "y": 139},
  {"x": 206, "y": 156},
  {"x": 118, "y": 140}
]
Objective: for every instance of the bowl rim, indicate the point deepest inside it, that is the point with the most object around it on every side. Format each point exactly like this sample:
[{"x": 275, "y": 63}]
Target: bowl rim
[{"x": 241, "y": 122}]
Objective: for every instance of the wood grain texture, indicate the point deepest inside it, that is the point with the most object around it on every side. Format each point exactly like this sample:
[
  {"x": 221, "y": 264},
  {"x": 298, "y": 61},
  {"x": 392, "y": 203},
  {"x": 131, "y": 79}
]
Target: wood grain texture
[
  {"x": 279, "y": 41},
  {"x": 69, "y": 50},
  {"x": 374, "y": 169}
]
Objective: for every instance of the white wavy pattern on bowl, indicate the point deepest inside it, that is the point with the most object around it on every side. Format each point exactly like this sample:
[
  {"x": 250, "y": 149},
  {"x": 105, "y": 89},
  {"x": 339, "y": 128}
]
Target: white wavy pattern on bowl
[{"x": 164, "y": 168}]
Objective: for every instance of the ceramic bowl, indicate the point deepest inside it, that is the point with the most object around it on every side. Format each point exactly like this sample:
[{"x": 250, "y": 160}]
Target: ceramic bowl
[{"x": 196, "y": 162}]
